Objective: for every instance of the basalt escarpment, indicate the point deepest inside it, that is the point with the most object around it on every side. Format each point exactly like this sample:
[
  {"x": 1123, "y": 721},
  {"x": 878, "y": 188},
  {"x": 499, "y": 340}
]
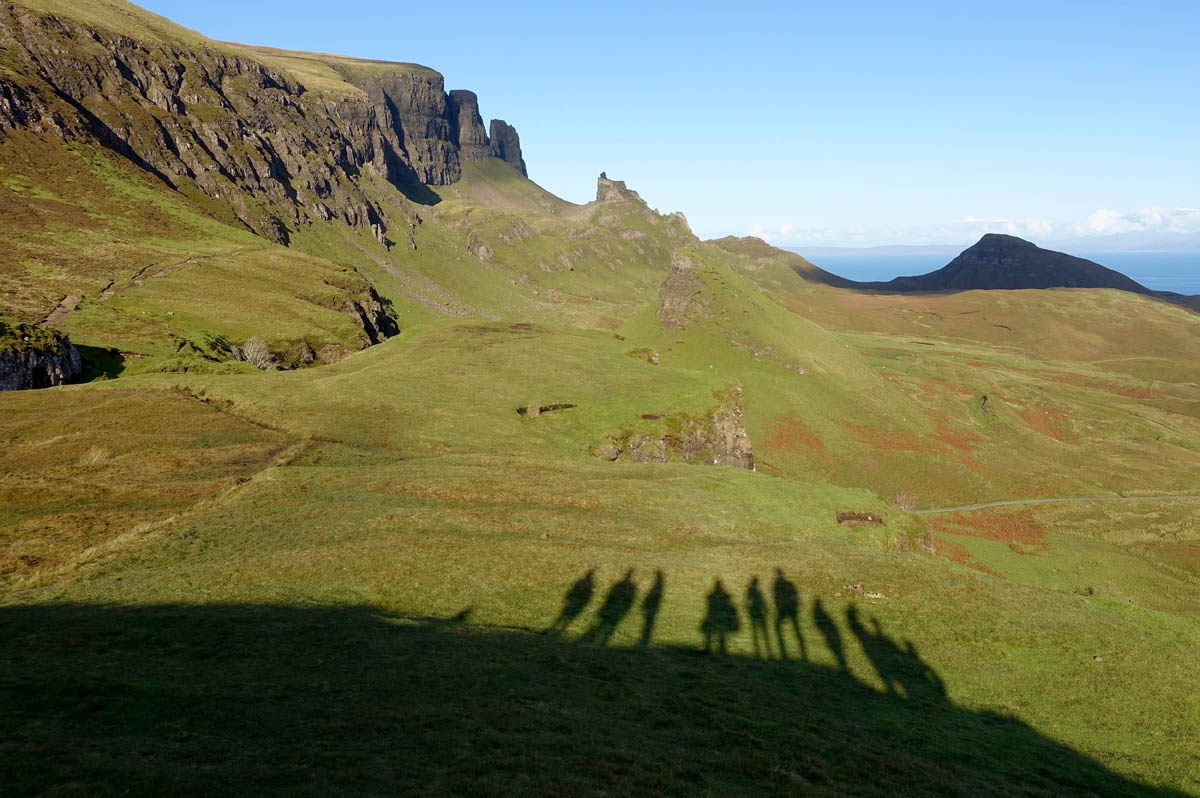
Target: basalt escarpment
[
  {"x": 269, "y": 153},
  {"x": 506, "y": 145},
  {"x": 33, "y": 357}
]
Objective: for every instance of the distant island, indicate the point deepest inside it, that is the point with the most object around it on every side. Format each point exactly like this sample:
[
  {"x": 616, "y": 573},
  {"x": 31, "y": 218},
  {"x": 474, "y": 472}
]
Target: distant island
[{"x": 1005, "y": 262}]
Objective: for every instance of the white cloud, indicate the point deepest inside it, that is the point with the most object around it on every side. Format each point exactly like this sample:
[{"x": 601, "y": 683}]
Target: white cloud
[{"x": 1102, "y": 222}]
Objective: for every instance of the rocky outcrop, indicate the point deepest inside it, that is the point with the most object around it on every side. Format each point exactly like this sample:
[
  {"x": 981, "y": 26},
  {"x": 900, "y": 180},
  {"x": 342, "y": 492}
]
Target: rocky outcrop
[
  {"x": 608, "y": 190},
  {"x": 371, "y": 313},
  {"x": 679, "y": 295},
  {"x": 506, "y": 145},
  {"x": 32, "y": 357},
  {"x": 472, "y": 139},
  {"x": 417, "y": 109},
  {"x": 717, "y": 438},
  {"x": 272, "y": 155}
]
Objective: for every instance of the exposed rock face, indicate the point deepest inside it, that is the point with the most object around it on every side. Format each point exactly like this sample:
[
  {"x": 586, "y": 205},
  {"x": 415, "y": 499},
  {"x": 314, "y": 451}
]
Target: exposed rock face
[
  {"x": 31, "y": 357},
  {"x": 613, "y": 190},
  {"x": 678, "y": 296},
  {"x": 506, "y": 145},
  {"x": 1007, "y": 262},
  {"x": 417, "y": 109},
  {"x": 472, "y": 139},
  {"x": 272, "y": 154},
  {"x": 719, "y": 438},
  {"x": 372, "y": 316}
]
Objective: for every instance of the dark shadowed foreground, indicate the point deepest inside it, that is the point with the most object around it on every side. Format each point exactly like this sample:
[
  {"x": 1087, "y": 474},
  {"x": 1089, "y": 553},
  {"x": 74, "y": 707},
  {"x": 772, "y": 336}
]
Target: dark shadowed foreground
[{"x": 230, "y": 699}]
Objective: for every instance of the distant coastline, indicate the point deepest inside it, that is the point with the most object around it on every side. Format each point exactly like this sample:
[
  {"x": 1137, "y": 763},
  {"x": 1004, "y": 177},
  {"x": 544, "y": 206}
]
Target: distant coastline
[{"x": 1159, "y": 271}]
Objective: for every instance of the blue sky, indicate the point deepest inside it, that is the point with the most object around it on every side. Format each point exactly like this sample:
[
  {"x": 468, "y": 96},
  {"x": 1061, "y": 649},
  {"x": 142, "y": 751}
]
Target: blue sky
[{"x": 832, "y": 123}]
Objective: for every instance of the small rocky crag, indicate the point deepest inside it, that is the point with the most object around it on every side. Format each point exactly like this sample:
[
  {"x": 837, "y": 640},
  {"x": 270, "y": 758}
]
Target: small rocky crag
[
  {"x": 716, "y": 438},
  {"x": 679, "y": 300},
  {"x": 33, "y": 357},
  {"x": 857, "y": 518}
]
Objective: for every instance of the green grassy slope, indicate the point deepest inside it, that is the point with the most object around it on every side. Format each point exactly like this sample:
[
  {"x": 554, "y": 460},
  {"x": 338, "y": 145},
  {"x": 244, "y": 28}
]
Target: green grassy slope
[
  {"x": 214, "y": 577},
  {"x": 417, "y": 489}
]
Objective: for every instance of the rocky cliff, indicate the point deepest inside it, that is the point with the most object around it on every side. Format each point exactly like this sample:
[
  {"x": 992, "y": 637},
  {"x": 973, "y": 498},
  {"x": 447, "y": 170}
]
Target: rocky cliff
[
  {"x": 32, "y": 357},
  {"x": 270, "y": 153},
  {"x": 506, "y": 145}
]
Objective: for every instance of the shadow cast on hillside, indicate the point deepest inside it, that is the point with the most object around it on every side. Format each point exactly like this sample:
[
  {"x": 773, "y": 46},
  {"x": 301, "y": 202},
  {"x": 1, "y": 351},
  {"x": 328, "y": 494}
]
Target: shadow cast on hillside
[{"x": 240, "y": 699}]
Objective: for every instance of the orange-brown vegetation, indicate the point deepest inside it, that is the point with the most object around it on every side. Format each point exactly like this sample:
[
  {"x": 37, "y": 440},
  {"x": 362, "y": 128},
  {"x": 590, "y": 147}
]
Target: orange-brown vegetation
[
  {"x": 956, "y": 553},
  {"x": 790, "y": 434},
  {"x": 1020, "y": 528},
  {"x": 888, "y": 440},
  {"x": 1051, "y": 423},
  {"x": 938, "y": 387},
  {"x": 960, "y": 440}
]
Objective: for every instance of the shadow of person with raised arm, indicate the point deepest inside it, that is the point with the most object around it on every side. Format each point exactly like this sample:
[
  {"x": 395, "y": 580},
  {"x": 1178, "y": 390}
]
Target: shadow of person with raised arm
[
  {"x": 828, "y": 629},
  {"x": 901, "y": 670},
  {"x": 574, "y": 603},
  {"x": 650, "y": 606},
  {"x": 883, "y": 654},
  {"x": 616, "y": 606},
  {"x": 756, "y": 608},
  {"x": 720, "y": 620},
  {"x": 787, "y": 613}
]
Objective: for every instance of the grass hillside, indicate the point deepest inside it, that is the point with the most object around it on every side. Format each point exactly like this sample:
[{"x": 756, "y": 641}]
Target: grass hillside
[{"x": 382, "y": 571}]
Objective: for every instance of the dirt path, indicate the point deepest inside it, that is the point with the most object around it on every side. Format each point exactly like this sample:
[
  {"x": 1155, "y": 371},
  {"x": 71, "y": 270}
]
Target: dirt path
[
  {"x": 1014, "y": 502},
  {"x": 59, "y": 313},
  {"x": 142, "y": 275},
  {"x": 137, "y": 281}
]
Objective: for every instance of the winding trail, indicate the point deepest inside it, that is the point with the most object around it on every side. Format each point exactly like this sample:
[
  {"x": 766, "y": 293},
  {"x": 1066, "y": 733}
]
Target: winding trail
[
  {"x": 141, "y": 277},
  {"x": 137, "y": 281},
  {"x": 1013, "y": 502}
]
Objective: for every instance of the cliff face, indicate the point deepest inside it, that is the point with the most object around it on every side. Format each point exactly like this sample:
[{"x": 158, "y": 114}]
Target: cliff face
[
  {"x": 271, "y": 154},
  {"x": 472, "y": 139},
  {"x": 31, "y": 357},
  {"x": 506, "y": 145}
]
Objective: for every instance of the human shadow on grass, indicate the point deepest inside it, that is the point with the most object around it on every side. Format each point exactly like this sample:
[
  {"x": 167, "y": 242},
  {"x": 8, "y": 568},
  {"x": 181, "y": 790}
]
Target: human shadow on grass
[
  {"x": 311, "y": 701},
  {"x": 651, "y": 603},
  {"x": 578, "y": 596},
  {"x": 787, "y": 613},
  {"x": 756, "y": 609},
  {"x": 612, "y": 611},
  {"x": 720, "y": 619}
]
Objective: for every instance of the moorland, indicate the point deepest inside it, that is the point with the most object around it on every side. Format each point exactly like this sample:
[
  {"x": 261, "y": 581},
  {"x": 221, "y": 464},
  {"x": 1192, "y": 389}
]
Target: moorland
[{"x": 389, "y": 470}]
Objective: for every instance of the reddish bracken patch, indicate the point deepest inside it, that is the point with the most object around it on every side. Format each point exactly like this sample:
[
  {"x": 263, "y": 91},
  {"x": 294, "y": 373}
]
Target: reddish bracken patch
[
  {"x": 888, "y": 440},
  {"x": 944, "y": 388},
  {"x": 1021, "y": 528},
  {"x": 960, "y": 440},
  {"x": 790, "y": 434},
  {"x": 956, "y": 553},
  {"x": 1051, "y": 423}
]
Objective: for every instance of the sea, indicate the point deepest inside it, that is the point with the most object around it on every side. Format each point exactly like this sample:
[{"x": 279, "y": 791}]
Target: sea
[{"x": 1158, "y": 271}]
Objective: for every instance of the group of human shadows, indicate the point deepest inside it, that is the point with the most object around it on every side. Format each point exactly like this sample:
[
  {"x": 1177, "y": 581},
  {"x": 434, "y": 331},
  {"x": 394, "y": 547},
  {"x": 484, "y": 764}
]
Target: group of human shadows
[{"x": 900, "y": 667}]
